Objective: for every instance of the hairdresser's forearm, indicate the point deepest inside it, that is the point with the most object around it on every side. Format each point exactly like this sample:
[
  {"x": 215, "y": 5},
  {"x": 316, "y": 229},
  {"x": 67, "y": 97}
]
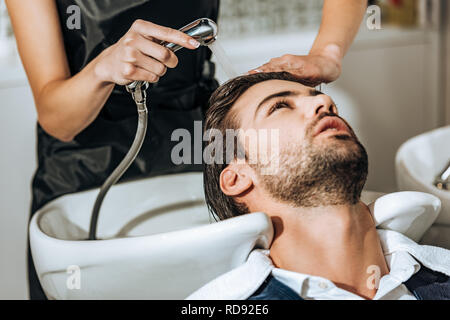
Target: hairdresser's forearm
[
  {"x": 66, "y": 107},
  {"x": 340, "y": 23}
]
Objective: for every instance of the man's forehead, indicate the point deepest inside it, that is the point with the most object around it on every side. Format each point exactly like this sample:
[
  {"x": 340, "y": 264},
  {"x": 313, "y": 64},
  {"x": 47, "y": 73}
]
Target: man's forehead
[
  {"x": 256, "y": 93},
  {"x": 259, "y": 91}
]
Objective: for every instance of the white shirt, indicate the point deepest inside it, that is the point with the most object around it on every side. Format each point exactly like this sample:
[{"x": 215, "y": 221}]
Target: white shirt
[
  {"x": 401, "y": 265},
  {"x": 400, "y": 251}
]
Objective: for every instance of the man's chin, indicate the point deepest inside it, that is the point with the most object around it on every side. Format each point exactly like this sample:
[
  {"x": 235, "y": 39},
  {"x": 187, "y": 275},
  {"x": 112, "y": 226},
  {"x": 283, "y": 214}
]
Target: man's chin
[{"x": 340, "y": 145}]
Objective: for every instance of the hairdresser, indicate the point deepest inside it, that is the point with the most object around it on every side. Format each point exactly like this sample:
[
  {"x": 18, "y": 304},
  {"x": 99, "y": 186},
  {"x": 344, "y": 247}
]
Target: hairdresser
[{"x": 78, "y": 54}]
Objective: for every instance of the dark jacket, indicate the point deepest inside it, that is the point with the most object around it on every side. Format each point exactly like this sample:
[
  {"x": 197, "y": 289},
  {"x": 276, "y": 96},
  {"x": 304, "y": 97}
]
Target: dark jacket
[{"x": 426, "y": 284}]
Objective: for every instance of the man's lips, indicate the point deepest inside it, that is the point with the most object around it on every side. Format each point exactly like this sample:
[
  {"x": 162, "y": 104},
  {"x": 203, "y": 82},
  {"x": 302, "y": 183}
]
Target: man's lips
[{"x": 331, "y": 124}]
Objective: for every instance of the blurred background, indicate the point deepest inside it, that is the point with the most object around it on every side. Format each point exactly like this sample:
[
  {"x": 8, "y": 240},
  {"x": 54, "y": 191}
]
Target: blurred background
[{"x": 395, "y": 85}]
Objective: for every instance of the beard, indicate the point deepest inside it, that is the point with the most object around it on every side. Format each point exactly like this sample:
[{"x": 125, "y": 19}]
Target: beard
[{"x": 313, "y": 175}]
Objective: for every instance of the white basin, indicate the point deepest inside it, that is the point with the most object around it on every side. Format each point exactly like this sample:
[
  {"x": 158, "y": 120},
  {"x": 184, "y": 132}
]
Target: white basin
[
  {"x": 420, "y": 160},
  {"x": 159, "y": 242}
]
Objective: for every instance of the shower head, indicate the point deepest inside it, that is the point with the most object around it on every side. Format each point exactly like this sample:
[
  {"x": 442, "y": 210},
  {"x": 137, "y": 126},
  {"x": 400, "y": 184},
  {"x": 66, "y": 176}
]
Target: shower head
[{"x": 203, "y": 30}]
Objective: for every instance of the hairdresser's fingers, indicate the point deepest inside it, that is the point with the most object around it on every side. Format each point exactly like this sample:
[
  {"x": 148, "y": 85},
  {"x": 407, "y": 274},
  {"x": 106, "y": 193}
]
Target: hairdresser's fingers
[
  {"x": 306, "y": 80},
  {"x": 145, "y": 62},
  {"x": 287, "y": 61},
  {"x": 316, "y": 68},
  {"x": 265, "y": 68},
  {"x": 151, "y": 30},
  {"x": 283, "y": 63},
  {"x": 135, "y": 49},
  {"x": 133, "y": 44},
  {"x": 313, "y": 68},
  {"x": 131, "y": 73}
]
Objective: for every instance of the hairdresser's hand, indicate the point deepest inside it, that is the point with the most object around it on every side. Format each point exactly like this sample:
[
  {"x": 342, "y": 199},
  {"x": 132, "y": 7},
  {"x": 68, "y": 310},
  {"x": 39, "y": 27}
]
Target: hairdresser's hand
[
  {"x": 138, "y": 55},
  {"x": 320, "y": 67}
]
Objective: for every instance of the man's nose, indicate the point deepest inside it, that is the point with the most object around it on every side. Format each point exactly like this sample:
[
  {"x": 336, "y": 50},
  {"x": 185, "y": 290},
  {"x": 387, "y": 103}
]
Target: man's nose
[{"x": 321, "y": 104}]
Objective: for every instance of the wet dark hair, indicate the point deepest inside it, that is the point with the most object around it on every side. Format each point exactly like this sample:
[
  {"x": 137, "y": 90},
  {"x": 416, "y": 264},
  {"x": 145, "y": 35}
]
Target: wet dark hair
[{"x": 220, "y": 117}]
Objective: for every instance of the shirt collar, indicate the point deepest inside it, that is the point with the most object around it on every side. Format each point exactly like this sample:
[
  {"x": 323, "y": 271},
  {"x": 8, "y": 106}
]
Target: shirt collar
[{"x": 402, "y": 265}]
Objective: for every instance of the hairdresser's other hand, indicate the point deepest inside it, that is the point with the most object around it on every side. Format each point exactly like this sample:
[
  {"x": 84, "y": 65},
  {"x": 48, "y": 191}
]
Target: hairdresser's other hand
[
  {"x": 138, "y": 55},
  {"x": 317, "y": 67}
]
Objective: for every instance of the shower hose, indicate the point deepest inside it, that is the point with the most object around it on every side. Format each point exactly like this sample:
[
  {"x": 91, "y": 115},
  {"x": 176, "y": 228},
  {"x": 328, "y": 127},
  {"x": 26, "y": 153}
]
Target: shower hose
[{"x": 137, "y": 90}]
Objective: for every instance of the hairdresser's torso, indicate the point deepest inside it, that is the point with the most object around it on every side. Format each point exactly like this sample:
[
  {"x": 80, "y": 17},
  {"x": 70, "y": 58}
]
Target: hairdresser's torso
[{"x": 178, "y": 99}]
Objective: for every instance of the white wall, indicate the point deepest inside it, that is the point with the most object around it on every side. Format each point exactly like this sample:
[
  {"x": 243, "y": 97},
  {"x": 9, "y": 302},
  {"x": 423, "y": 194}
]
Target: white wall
[{"x": 17, "y": 164}]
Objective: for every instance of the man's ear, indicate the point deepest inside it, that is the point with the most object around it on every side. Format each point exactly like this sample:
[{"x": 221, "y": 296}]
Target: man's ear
[{"x": 235, "y": 180}]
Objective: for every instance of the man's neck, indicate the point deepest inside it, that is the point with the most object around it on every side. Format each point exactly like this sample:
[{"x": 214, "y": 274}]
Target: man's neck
[{"x": 338, "y": 243}]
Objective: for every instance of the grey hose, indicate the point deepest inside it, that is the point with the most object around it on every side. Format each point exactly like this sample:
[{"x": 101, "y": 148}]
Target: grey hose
[{"x": 122, "y": 167}]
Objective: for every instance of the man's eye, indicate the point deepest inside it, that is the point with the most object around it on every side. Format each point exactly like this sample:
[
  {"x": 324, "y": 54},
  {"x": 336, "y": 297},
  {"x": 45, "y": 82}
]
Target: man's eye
[{"x": 278, "y": 105}]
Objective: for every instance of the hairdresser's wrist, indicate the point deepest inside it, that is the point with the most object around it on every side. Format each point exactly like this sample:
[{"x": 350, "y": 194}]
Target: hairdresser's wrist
[
  {"x": 331, "y": 51},
  {"x": 329, "y": 57},
  {"x": 101, "y": 71}
]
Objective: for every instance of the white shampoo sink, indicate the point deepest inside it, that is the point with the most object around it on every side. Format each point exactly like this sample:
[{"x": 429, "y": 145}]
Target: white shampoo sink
[
  {"x": 418, "y": 162},
  {"x": 159, "y": 242}
]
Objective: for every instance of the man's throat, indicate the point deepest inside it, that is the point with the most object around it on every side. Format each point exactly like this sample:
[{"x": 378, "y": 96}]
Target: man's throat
[{"x": 342, "y": 247}]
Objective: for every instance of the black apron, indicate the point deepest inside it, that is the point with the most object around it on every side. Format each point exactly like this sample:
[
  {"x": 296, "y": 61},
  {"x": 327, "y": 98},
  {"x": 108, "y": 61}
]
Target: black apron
[{"x": 179, "y": 99}]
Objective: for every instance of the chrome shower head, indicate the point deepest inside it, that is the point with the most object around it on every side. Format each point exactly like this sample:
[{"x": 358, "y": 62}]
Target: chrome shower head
[{"x": 203, "y": 30}]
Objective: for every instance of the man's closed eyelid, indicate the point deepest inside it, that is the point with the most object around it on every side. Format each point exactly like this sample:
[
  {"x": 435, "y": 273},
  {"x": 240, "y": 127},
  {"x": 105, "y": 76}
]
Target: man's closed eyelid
[{"x": 274, "y": 107}]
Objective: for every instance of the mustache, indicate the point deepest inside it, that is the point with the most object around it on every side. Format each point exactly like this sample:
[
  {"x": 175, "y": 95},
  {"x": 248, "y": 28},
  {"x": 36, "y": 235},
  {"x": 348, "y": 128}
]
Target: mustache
[{"x": 313, "y": 124}]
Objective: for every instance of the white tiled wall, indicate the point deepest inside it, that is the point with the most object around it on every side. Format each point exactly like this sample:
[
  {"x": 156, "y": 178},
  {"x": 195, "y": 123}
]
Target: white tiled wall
[{"x": 253, "y": 17}]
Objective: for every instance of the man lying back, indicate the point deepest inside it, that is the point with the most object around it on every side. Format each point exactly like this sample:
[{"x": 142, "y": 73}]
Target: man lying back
[{"x": 325, "y": 242}]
